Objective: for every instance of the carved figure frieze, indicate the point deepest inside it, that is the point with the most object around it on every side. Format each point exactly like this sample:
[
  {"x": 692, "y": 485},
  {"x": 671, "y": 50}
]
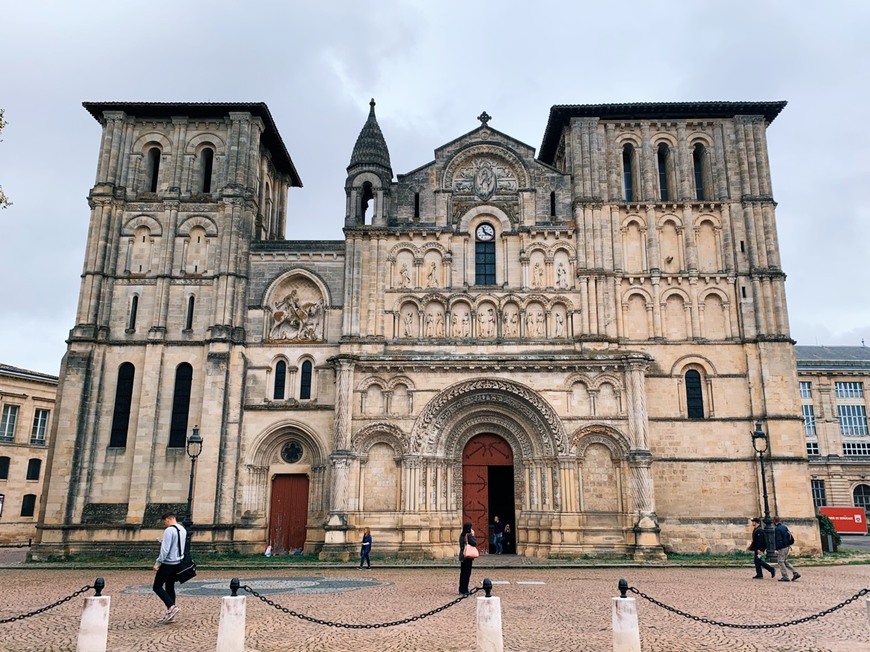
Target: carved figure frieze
[
  {"x": 298, "y": 312},
  {"x": 485, "y": 177}
]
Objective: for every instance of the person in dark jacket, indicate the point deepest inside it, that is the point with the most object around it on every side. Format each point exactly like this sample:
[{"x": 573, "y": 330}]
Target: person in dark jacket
[
  {"x": 759, "y": 547},
  {"x": 508, "y": 539},
  {"x": 466, "y": 537},
  {"x": 498, "y": 535},
  {"x": 365, "y": 549},
  {"x": 783, "y": 546}
]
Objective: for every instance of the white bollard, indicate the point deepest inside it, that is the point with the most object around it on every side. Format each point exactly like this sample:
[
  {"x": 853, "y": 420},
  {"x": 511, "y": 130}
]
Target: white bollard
[
  {"x": 94, "y": 629},
  {"x": 231, "y": 631},
  {"x": 489, "y": 636},
  {"x": 626, "y": 631},
  {"x": 868, "y": 608}
]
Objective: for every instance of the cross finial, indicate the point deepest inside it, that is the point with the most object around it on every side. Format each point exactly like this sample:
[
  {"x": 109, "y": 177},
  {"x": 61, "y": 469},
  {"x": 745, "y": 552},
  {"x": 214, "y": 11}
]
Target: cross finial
[{"x": 484, "y": 118}]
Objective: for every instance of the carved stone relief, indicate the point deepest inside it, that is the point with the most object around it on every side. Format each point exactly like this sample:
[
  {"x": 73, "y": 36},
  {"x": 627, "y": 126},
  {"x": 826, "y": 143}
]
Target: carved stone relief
[{"x": 297, "y": 311}]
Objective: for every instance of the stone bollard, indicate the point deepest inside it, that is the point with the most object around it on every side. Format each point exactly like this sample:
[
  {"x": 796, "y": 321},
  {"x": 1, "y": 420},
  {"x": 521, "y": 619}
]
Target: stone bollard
[
  {"x": 94, "y": 628},
  {"x": 626, "y": 632},
  {"x": 231, "y": 631},
  {"x": 489, "y": 636}
]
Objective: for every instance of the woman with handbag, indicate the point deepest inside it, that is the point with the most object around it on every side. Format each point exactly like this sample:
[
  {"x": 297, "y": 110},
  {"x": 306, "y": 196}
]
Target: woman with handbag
[{"x": 467, "y": 553}]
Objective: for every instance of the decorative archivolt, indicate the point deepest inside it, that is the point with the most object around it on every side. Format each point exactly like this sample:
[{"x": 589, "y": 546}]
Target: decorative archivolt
[
  {"x": 716, "y": 292},
  {"x": 195, "y": 144},
  {"x": 152, "y": 138},
  {"x": 666, "y": 138},
  {"x": 627, "y": 138},
  {"x": 551, "y": 250},
  {"x": 637, "y": 291},
  {"x": 505, "y": 426},
  {"x": 669, "y": 217},
  {"x": 699, "y": 137},
  {"x": 680, "y": 365},
  {"x": 687, "y": 300},
  {"x": 708, "y": 217},
  {"x": 368, "y": 381},
  {"x": 495, "y": 396},
  {"x": 265, "y": 445},
  {"x": 381, "y": 432},
  {"x": 200, "y": 221},
  {"x": 296, "y": 305},
  {"x": 509, "y": 171},
  {"x": 634, "y": 219},
  {"x": 401, "y": 302},
  {"x": 142, "y": 220},
  {"x": 599, "y": 433},
  {"x": 401, "y": 380},
  {"x": 413, "y": 249},
  {"x": 365, "y": 177},
  {"x": 466, "y": 221}
]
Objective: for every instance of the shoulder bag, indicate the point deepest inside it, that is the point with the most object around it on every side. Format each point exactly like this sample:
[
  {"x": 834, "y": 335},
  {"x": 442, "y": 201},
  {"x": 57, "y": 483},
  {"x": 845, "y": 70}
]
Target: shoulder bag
[
  {"x": 187, "y": 568},
  {"x": 469, "y": 551}
]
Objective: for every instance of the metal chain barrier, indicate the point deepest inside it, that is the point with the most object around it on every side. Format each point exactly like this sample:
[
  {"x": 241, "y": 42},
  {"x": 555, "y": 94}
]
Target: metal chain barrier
[
  {"x": 709, "y": 621},
  {"x": 330, "y": 623},
  {"x": 51, "y": 606}
]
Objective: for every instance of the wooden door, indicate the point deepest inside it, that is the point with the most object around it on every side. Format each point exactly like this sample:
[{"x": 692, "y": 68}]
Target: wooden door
[
  {"x": 481, "y": 452},
  {"x": 289, "y": 513}
]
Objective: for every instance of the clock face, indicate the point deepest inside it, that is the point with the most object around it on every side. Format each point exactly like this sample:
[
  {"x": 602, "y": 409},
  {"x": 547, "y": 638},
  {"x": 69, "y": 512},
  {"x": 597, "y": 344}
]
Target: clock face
[
  {"x": 292, "y": 452},
  {"x": 485, "y": 232}
]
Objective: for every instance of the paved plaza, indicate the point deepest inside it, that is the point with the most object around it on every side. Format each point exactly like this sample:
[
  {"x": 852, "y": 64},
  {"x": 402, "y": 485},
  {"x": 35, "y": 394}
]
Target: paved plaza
[{"x": 558, "y": 610}]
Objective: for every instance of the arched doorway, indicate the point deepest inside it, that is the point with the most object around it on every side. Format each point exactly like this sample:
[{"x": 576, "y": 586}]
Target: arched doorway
[
  {"x": 488, "y": 486},
  {"x": 289, "y": 513}
]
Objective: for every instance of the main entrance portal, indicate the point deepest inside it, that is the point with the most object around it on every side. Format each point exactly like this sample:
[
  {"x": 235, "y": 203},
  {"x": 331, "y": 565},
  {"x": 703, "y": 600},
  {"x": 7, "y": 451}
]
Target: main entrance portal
[
  {"x": 488, "y": 487},
  {"x": 289, "y": 513}
]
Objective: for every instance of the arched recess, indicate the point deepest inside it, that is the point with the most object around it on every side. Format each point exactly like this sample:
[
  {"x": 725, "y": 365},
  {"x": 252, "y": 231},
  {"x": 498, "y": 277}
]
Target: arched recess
[
  {"x": 134, "y": 223},
  {"x": 205, "y": 139},
  {"x": 496, "y": 153},
  {"x": 201, "y": 221},
  {"x": 465, "y": 221},
  {"x": 437, "y": 430},
  {"x": 380, "y": 448},
  {"x": 602, "y": 455}
]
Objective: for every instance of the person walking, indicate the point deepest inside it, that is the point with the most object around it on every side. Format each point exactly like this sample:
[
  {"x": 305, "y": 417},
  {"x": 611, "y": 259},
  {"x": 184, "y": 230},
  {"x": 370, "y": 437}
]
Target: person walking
[
  {"x": 759, "y": 546},
  {"x": 783, "y": 542},
  {"x": 465, "y": 538},
  {"x": 366, "y": 549},
  {"x": 498, "y": 535},
  {"x": 167, "y": 564}
]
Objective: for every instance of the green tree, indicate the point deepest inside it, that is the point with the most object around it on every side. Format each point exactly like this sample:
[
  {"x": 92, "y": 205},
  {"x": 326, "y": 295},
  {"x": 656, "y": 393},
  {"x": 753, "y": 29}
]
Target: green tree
[{"x": 4, "y": 200}]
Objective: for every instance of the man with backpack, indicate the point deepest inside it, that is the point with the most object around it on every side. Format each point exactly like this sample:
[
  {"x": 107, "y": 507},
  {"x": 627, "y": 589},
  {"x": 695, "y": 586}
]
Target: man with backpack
[
  {"x": 783, "y": 542},
  {"x": 168, "y": 564}
]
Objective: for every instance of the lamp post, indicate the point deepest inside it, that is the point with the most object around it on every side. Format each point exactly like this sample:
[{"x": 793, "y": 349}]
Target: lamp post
[
  {"x": 761, "y": 443},
  {"x": 194, "y": 448}
]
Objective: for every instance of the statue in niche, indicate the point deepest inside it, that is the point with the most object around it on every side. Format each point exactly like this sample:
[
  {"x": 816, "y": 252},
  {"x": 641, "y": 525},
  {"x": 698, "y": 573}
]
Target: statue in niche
[
  {"x": 513, "y": 324},
  {"x": 560, "y": 324},
  {"x": 432, "y": 277},
  {"x": 538, "y": 276},
  {"x": 405, "y": 276},
  {"x": 409, "y": 323},
  {"x": 430, "y": 325},
  {"x": 294, "y": 320},
  {"x": 484, "y": 182},
  {"x": 539, "y": 322},
  {"x": 481, "y": 324},
  {"x": 530, "y": 324},
  {"x": 455, "y": 324},
  {"x": 490, "y": 322},
  {"x": 561, "y": 277},
  {"x": 466, "y": 325}
]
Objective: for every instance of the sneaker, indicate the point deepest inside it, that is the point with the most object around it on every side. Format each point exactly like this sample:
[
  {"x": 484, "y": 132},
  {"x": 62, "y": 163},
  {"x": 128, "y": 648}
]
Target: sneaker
[
  {"x": 758, "y": 577},
  {"x": 794, "y": 578},
  {"x": 173, "y": 610},
  {"x": 784, "y": 579},
  {"x": 772, "y": 573}
]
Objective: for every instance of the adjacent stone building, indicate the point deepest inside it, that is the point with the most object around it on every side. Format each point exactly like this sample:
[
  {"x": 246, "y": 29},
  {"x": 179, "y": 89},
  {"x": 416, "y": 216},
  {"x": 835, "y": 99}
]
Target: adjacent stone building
[
  {"x": 834, "y": 406},
  {"x": 578, "y": 341},
  {"x": 26, "y": 413}
]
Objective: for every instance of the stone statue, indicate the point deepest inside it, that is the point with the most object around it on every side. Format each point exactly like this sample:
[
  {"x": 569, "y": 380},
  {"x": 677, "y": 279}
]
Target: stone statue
[
  {"x": 432, "y": 277},
  {"x": 538, "y": 278},
  {"x": 409, "y": 323},
  {"x": 560, "y": 324},
  {"x": 561, "y": 277},
  {"x": 405, "y": 277}
]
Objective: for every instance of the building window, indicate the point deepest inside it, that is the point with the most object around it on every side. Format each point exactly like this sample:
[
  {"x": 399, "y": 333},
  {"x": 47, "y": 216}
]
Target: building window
[
  {"x": 416, "y": 204},
  {"x": 7, "y": 425},
  {"x": 40, "y": 425},
  {"x": 134, "y": 309},
  {"x": 153, "y": 168},
  {"x": 484, "y": 255},
  {"x": 34, "y": 466},
  {"x": 849, "y": 390},
  {"x": 694, "y": 395},
  {"x": 806, "y": 389},
  {"x": 191, "y": 304},
  {"x": 367, "y": 196},
  {"x": 663, "y": 157},
  {"x": 853, "y": 420},
  {"x": 629, "y": 178},
  {"x": 819, "y": 499},
  {"x": 4, "y": 468},
  {"x": 552, "y": 204},
  {"x": 28, "y": 505},
  {"x": 280, "y": 380},
  {"x": 809, "y": 420},
  {"x": 180, "y": 406},
  {"x": 305, "y": 382},
  {"x": 207, "y": 164},
  {"x": 812, "y": 448},
  {"x": 701, "y": 165},
  {"x": 861, "y": 496},
  {"x": 856, "y": 448},
  {"x": 123, "y": 400}
]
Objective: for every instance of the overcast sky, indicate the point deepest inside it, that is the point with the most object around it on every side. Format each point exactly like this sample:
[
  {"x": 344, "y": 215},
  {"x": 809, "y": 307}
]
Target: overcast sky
[{"x": 432, "y": 66}]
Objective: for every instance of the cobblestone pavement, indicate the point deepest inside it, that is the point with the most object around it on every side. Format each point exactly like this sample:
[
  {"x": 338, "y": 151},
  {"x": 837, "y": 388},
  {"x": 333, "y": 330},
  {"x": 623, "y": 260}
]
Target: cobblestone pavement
[{"x": 557, "y": 610}]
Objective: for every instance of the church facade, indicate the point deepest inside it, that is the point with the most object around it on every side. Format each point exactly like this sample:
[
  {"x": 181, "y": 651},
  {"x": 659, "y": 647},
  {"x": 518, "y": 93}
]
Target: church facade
[{"x": 578, "y": 341}]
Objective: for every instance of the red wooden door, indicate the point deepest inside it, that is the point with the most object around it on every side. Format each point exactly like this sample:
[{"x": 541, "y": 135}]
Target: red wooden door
[
  {"x": 480, "y": 453},
  {"x": 289, "y": 513}
]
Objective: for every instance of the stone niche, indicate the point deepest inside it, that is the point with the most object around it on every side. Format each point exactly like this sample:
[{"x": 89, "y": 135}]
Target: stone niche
[{"x": 295, "y": 311}]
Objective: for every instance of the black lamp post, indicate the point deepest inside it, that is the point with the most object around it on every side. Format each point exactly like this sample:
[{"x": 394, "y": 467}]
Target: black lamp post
[
  {"x": 194, "y": 448},
  {"x": 761, "y": 443}
]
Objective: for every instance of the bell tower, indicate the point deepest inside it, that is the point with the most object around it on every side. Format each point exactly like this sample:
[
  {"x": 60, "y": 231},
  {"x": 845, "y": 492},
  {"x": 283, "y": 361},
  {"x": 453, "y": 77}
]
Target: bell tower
[{"x": 369, "y": 177}]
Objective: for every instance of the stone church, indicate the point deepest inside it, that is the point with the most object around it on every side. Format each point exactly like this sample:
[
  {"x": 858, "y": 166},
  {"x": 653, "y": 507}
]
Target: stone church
[{"x": 579, "y": 341}]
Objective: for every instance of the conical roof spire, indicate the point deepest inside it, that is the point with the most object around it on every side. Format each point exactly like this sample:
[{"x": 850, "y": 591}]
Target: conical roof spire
[{"x": 371, "y": 148}]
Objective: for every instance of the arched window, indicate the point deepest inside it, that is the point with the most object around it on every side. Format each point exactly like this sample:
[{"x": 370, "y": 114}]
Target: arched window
[
  {"x": 134, "y": 309},
  {"x": 663, "y": 157},
  {"x": 206, "y": 162},
  {"x": 305, "y": 381},
  {"x": 701, "y": 165},
  {"x": 188, "y": 322},
  {"x": 28, "y": 505},
  {"x": 153, "y": 168},
  {"x": 280, "y": 380},
  {"x": 861, "y": 496},
  {"x": 629, "y": 173},
  {"x": 484, "y": 255},
  {"x": 123, "y": 400},
  {"x": 180, "y": 406},
  {"x": 34, "y": 466},
  {"x": 4, "y": 468},
  {"x": 694, "y": 395},
  {"x": 367, "y": 196}
]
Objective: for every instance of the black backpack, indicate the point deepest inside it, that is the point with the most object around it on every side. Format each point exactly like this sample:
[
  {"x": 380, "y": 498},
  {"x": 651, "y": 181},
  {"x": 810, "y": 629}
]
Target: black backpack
[{"x": 789, "y": 538}]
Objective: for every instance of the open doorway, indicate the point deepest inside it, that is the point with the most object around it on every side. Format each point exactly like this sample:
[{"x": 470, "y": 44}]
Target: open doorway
[
  {"x": 488, "y": 488},
  {"x": 501, "y": 504}
]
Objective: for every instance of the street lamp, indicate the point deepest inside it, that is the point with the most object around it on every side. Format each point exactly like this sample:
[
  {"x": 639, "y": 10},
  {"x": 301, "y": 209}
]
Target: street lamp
[
  {"x": 194, "y": 448},
  {"x": 761, "y": 443}
]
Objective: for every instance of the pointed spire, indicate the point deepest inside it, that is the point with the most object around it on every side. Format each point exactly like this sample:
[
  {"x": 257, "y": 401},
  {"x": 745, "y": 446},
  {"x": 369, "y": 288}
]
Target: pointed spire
[{"x": 371, "y": 148}]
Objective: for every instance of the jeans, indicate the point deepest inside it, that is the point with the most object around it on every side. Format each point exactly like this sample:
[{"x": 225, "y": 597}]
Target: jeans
[
  {"x": 165, "y": 577},
  {"x": 497, "y": 542}
]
